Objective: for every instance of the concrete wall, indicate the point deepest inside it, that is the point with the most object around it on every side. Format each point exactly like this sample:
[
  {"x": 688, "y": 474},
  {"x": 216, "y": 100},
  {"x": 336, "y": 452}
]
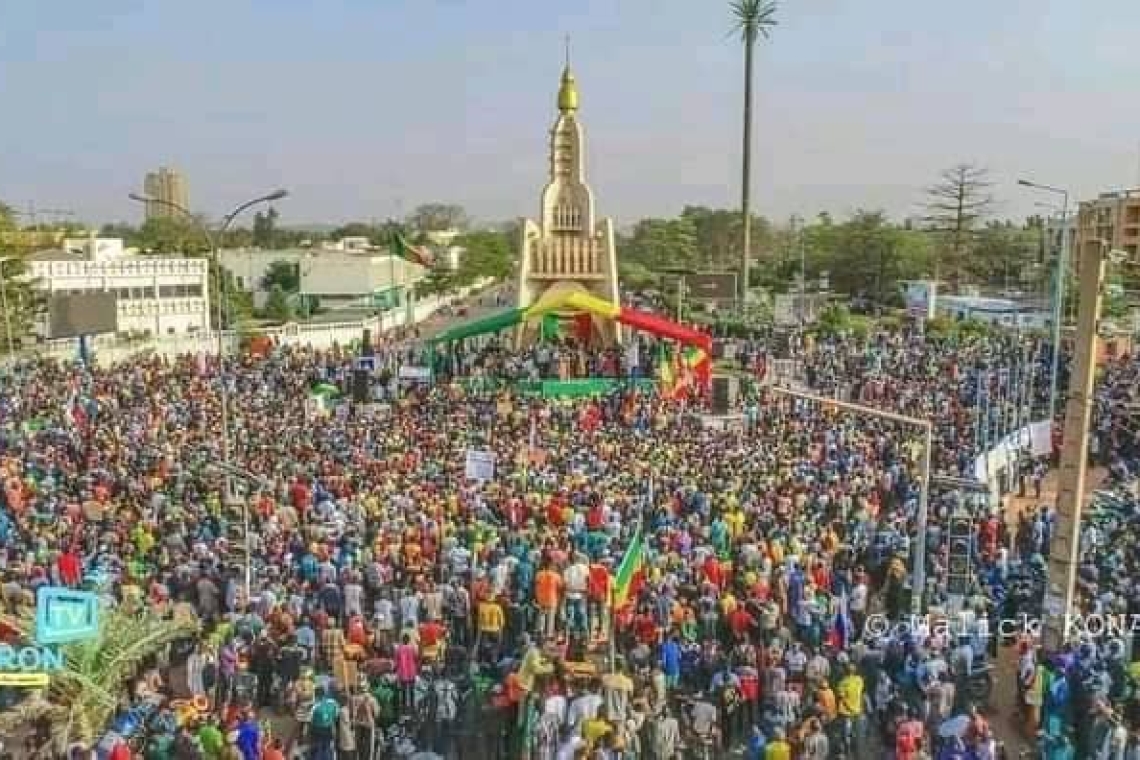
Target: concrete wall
[{"x": 108, "y": 351}]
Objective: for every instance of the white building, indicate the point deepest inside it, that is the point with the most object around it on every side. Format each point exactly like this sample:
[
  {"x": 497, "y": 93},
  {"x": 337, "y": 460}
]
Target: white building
[
  {"x": 357, "y": 243},
  {"x": 328, "y": 274},
  {"x": 994, "y": 311},
  {"x": 331, "y": 276},
  {"x": 159, "y": 295}
]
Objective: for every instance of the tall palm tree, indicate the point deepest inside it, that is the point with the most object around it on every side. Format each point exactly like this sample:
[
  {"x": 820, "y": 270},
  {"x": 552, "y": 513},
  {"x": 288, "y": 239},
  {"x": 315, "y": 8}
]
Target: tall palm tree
[
  {"x": 82, "y": 698},
  {"x": 752, "y": 19}
]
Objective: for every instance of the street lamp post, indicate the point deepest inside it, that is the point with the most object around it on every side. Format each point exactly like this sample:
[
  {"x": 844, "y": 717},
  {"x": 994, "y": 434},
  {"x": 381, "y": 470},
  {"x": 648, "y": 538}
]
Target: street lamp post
[
  {"x": 261, "y": 484},
  {"x": 922, "y": 518},
  {"x": 4, "y": 305},
  {"x": 1058, "y": 290},
  {"x": 212, "y": 241}
]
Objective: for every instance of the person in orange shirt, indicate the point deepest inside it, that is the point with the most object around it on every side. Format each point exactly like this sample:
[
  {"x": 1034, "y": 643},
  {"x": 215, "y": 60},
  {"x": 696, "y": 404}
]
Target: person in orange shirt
[
  {"x": 547, "y": 594},
  {"x": 598, "y": 590}
]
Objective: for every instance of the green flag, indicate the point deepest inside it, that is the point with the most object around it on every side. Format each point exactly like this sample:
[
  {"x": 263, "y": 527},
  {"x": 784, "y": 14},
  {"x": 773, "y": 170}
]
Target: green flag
[
  {"x": 630, "y": 564},
  {"x": 551, "y": 327},
  {"x": 417, "y": 254}
]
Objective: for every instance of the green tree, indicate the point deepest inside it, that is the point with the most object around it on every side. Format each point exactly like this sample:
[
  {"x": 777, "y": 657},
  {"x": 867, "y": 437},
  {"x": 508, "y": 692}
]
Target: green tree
[
  {"x": 283, "y": 274},
  {"x": 20, "y": 301},
  {"x": 237, "y": 307},
  {"x": 278, "y": 307},
  {"x": 718, "y": 236},
  {"x": 865, "y": 255},
  {"x": 80, "y": 700},
  {"x": 1003, "y": 254},
  {"x": 752, "y": 19},
  {"x": 170, "y": 235},
  {"x": 660, "y": 244},
  {"x": 956, "y": 206},
  {"x": 265, "y": 228},
  {"x": 486, "y": 253},
  {"x": 437, "y": 217}
]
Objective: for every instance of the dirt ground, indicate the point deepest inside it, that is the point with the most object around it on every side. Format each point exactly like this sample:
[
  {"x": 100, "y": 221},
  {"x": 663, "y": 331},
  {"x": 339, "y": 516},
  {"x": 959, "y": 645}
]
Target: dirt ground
[{"x": 1003, "y": 713}]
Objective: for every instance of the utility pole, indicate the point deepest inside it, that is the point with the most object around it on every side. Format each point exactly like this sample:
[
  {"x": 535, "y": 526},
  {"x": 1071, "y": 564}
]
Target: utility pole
[
  {"x": 798, "y": 233},
  {"x": 1064, "y": 549}
]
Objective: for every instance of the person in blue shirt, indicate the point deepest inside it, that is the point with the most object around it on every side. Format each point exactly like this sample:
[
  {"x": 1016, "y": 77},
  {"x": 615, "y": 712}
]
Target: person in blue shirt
[
  {"x": 249, "y": 737},
  {"x": 757, "y": 744},
  {"x": 671, "y": 661}
]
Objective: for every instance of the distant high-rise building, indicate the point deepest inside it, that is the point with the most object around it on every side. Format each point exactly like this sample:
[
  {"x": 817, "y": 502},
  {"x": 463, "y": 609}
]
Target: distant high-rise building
[{"x": 166, "y": 186}]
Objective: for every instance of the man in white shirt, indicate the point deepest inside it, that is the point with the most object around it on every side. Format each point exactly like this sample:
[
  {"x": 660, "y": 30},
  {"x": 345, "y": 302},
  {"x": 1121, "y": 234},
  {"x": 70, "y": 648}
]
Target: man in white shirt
[
  {"x": 666, "y": 737},
  {"x": 384, "y": 617},
  {"x": 857, "y": 606},
  {"x": 582, "y": 708},
  {"x": 576, "y": 577}
]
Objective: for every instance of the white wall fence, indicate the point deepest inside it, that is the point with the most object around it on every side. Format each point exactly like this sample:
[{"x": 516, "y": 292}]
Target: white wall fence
[{"x": 109, "y": 350}]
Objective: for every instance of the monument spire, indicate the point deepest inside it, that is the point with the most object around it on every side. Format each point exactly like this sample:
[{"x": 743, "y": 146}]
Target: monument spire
[{"x": 568, "y": 89}]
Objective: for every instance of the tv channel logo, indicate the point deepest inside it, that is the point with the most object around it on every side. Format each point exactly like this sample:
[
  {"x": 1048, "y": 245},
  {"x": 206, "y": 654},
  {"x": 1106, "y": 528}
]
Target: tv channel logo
[{"x": 64, "y": 615}]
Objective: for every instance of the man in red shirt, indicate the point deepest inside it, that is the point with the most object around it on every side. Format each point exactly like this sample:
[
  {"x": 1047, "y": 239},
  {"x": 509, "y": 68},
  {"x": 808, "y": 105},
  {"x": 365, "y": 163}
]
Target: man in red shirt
[
  {"x": 598, "y": 596},
  {"x": 740, "y": 622},
  {"x": 70, "y": 571}
]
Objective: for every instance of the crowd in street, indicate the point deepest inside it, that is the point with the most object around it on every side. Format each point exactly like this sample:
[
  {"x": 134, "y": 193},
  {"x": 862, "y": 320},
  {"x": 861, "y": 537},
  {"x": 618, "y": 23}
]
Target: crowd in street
[{"x": 398, "y": 605}]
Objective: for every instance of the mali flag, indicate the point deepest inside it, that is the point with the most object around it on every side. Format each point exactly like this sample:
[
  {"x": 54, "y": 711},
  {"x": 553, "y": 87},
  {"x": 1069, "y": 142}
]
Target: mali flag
[
  {"x": 417, "y": 254},
  {"x": 628, "y": 569},
  {"x": 666, "y": 379}
]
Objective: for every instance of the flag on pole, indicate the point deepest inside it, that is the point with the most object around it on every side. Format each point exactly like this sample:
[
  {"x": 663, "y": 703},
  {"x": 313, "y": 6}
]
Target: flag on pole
[
  {"x": 666, "y": 378},
  {"x": 630, "y": 565},
  {"x": 416, "y": 254}
]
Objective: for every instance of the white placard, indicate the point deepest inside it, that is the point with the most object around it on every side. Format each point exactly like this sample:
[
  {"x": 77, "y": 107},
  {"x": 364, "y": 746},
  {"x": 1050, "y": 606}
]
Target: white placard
[
  {"x": 480, "y": 465},
  {"x": 414, "y": 373}
]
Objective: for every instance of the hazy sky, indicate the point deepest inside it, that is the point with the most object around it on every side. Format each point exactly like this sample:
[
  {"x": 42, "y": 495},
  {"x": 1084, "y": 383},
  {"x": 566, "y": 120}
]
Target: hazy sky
[{"x": 364, "y": 108}]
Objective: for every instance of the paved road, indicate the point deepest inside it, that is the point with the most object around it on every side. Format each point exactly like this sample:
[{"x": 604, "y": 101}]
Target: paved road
[{"x": 477, "y": 307}]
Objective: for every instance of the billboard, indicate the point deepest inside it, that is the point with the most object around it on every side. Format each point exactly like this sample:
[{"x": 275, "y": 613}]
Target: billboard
[
  {"x": 920, "y": 297},
  {"x": 716, "y": 287},
  {"x": 75, "y": 314}
]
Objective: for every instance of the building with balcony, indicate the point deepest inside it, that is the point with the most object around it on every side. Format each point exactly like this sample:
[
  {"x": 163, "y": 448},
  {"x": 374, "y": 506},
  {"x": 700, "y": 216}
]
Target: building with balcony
[
  {"x": 1111, "y": 220},
  {"x": 159, "y": 295}
]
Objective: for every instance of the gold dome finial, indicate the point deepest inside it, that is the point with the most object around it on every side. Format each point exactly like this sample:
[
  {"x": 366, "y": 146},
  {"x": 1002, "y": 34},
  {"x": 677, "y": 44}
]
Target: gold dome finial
[{"x": 568, "y": 90}]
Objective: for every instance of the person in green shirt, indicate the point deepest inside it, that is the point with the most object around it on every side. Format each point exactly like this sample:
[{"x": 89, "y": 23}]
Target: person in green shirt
[
  {"x": 211, "y": 740},
  {"x": 160, "y": 747}
]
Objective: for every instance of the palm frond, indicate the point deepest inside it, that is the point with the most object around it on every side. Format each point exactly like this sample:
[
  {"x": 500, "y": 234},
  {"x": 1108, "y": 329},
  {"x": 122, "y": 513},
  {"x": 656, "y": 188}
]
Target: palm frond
[
  {"x": 753, "y": 18},
  {"x": 81, "y": 699}
]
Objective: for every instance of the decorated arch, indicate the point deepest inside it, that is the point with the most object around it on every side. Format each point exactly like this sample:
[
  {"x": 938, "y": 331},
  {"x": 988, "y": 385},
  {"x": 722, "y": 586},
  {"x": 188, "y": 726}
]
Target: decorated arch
[{"x": 698, "y": 359}]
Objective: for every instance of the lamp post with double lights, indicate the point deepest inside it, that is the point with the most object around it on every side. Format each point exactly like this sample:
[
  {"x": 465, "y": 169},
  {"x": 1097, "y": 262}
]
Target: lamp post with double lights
[
  {"x": 1058, "y": 289},
  {"x": 4, "y": 305},
  {"x": 212, "y": 239}
]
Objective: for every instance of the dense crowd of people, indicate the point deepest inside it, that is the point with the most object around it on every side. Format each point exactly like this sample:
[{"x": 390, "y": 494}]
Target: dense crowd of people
[{"x": 626, "y": 581}]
